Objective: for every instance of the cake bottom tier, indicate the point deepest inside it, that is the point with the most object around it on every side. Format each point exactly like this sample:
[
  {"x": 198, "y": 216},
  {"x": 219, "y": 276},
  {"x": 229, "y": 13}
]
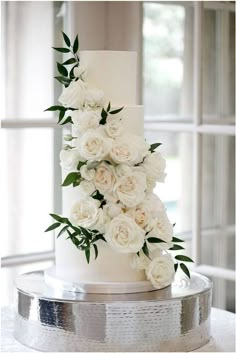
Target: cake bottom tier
[{"x": 173, "y": 319}]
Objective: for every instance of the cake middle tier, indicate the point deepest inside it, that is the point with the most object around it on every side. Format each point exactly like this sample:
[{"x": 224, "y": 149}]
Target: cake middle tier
[
  {"x": 110, "y": 266},
  {"x": 114, "y": 72}
]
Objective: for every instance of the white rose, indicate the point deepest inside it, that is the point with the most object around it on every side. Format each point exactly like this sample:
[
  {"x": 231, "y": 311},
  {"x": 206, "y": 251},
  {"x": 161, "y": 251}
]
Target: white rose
[
  {"x": 140, "y": 262},
  {"x": 80, "y": 72},
  {"x": 85, "y": 212},
  {"x": 160, "y": 272},
  {"x": 151, "y": 183},
  {"x": 113, "y": 127},
  {"x": 162, "y": 229},
  {"x": 141, "y": 215},
  {"x": 124, "y": 235},
  {"x": 69, "y": 159},
  {"x": 130, "y": 190},
  {"x": 86, "y": 187},
  {"x": 124, "y": 151},
  {"x": 104, "y": 178},
  {"x": 87, "y": 174},
  {"x": 153, "y": 204},
  {"x": 141, "y": 145},
  {"x": 85, "y": 120},
  {"x": 123, "y": 170},
  {"x": 155, "y": 164},
  {"x": 93, "y": 146},
  {"x": 102, "y": 221},
  {"x": 113, "y": 209},
  {"x": 129, "y": 149},
  {"x": 94, "y": 98},
  {"x": 73, "y": 96}
]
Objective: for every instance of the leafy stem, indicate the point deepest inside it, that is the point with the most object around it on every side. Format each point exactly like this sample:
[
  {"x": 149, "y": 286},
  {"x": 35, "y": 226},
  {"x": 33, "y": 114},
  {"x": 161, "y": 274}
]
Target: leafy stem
[{"x": 84, "y": 239}]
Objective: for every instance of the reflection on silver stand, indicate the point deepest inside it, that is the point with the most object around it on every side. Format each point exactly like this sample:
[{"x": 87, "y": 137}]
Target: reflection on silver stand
[{"x": 176, "y": 318}]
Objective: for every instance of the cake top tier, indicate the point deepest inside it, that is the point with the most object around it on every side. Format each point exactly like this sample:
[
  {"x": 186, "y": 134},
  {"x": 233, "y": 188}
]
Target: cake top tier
[{"x": 114, "y": 72}]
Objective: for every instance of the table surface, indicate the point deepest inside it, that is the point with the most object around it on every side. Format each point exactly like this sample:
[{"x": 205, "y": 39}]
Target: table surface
[{"x": 222, "y": 330}]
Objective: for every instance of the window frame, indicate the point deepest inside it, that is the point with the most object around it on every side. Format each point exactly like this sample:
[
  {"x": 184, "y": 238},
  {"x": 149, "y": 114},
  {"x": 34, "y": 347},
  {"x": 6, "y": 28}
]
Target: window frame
[{"x": 222, "y": 124}]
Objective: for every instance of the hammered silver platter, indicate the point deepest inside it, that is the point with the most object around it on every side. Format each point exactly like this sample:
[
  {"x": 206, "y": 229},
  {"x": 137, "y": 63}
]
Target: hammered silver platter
[{"x": 173, "y": 319}]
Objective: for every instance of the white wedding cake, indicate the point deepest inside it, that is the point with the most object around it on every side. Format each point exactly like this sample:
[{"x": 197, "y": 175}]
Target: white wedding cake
[{"x": 114, "y": 228}]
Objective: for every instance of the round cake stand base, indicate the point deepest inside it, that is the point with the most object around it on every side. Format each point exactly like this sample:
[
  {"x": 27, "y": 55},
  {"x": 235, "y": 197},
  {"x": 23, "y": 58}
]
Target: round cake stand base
[{"x": 173, "y": 319}]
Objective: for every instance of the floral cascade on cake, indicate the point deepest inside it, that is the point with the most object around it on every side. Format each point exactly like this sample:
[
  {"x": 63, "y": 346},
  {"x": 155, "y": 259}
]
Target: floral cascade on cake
[{"x": 115, "y": 172}]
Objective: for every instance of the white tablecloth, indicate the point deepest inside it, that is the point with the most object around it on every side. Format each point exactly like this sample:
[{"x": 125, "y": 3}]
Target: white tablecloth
[{"x": 222, "y": 329}]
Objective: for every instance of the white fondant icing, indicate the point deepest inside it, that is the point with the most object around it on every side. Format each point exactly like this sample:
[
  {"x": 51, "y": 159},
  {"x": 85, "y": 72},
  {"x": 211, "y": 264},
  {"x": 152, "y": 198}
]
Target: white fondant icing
[{"x": 114, "y": 72}]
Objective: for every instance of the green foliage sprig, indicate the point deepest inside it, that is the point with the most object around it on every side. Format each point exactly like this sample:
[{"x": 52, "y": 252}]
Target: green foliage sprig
[
  {"x": 83, "y": 239},
  {"x": 66, "y": 76},
  {"x": 180, "y": 259},
  {"x": 106, "y": 112},
  {"x": 62, "y": 110},
  {"x": 154, "y": 146}
]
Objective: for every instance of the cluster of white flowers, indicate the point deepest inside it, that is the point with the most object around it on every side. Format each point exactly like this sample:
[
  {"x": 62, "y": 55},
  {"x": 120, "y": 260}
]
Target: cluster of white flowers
[{"x": 123, "y": 169}]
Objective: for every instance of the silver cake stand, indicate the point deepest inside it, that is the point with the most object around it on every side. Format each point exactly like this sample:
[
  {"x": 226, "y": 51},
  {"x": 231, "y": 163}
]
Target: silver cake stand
[{"x": 174, "y": 319}]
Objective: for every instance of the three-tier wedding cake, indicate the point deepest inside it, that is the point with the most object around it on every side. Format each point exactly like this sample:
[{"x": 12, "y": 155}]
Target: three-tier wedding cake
[{"x": 114, "y": 227}]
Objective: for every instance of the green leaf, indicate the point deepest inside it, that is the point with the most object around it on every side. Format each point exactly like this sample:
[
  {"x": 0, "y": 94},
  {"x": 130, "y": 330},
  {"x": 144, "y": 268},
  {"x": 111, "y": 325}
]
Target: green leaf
[
  {"x": 72, "y": 76},
  {"x": 77, "y": 181},
  {"x": 53, "y": 226},
  {"x": 97, "y": 196},
  {"x": 95, "y": 250},
  {"x": 176, "y": 247},
  {"x": 177, "y": 240},
  {"x": 66, "y": 39},
  {"x": 58, "y": 218},
  {"x": 86, "y": 232},
  {"x": 62, "y": 50},
  {"x": 185, "y": 269},
  {"x": 62, "y": 231},
  {"x": 176, "y": 266},
  {"x": 145, "y": 249},
  {"x": 155, "y": 240},
  {"x": 63, "y": 80},
  {"x": 87, "y": 255},
  {"x": 69, "y": 61},
  {"x": 183, "y": 258},
  {"x": 63, "y": 71},
  {"x": 70, "y": 179},
  {"x": 80, "y": 164},
  {"x": 76, "y": 45},
  {"x": 104, "y": 117},
  {"x": 116, "y": 111},
  {"x": 154, "y": 146},
  {"x": 68, "y": 120},
  {"x": 54, "y": 108},
  {"x": 61, "y": 116},
  {"x": 75, "y": 241},
  {"x": 109, "y": 107}
]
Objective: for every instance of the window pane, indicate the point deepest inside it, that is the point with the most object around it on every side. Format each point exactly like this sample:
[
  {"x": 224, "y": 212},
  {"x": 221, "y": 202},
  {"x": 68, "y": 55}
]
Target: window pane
[
  {"x": 9, "y": 275},
  {"x": 218, "y": 64},
  {"x": 167, "y": 61},
  {"x": 218, "y": 200},
  {"x": 176, "y": 192},
  {"x": 27, "y": 190},
  {"x": 29, "y": 30}
]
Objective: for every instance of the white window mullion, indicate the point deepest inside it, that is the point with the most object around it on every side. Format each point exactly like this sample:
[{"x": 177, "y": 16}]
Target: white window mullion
[
  {"x": 197, "y": 152},
  {"x": 222, "y": 152}
]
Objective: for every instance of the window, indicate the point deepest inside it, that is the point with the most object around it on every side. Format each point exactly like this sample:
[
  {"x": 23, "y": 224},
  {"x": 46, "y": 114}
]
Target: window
[
  {"x": 188, "y": 75},
  {"x": 30, "y": 176},
  {"x": 188, "y": 93}
]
